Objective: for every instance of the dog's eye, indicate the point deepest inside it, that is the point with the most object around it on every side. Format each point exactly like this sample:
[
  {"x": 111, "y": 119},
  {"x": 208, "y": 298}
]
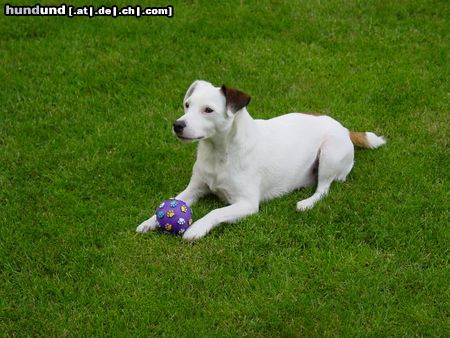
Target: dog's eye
[
  {"x": 208, "y": 110},
  {"x": 186, "y": 105}
]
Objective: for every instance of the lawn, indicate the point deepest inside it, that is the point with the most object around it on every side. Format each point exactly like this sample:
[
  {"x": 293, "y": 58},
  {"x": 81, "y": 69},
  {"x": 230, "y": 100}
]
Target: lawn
[{"x": 86, "y": 154}]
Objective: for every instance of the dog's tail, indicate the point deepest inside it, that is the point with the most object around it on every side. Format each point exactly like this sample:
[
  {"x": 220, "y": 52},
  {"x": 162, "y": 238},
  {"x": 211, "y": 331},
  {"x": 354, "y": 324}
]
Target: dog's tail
[{"x": 366, "y": 139}]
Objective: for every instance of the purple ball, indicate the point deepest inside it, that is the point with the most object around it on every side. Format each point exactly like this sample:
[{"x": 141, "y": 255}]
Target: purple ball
[{"x": 174, "y": 216}]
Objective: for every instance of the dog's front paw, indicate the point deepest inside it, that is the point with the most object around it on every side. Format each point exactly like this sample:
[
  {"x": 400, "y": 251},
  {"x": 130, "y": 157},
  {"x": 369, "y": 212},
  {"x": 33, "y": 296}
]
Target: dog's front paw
[
  {"x": 196, "y": 231},
  {"x": 147, "y": 225}
]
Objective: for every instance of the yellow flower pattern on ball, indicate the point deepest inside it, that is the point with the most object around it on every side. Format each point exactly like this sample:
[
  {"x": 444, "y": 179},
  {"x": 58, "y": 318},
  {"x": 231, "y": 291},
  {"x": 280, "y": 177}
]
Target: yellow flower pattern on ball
[{"x": 170, "y": 213}]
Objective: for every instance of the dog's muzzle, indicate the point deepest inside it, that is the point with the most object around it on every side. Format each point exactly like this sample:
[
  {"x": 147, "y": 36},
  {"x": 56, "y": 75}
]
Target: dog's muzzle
[{"x": 178, "y": 127}]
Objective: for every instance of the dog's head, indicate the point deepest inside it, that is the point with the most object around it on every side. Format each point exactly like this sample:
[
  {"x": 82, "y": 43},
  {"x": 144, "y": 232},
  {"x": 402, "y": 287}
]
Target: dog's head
[{"x": 208, "y": 110}]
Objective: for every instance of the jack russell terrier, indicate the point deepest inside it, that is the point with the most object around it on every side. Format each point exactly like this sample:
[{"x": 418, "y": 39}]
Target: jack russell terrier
[{"x": 245, "y": 161}]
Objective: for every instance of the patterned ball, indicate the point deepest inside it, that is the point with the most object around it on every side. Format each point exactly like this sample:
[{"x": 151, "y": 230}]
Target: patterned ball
[{"x": 174, "y": 216}]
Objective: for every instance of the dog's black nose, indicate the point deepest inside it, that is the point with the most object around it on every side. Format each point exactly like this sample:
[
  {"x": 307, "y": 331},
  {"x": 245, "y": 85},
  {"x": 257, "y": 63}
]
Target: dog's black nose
[{"x": 178, "y": 126}]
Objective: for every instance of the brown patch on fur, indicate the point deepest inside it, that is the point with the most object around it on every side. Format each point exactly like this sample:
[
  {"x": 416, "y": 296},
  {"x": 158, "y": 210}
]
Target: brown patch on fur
[
  {"x": 236, "y": 100},
  {"x": 359, "y": 139}
]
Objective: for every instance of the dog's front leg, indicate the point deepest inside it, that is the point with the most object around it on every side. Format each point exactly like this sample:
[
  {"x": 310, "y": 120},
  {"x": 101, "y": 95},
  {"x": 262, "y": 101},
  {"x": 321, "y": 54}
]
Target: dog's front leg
[
  {"x": 196, "y": 189},
  {"x": 193, "y": 192},
  {"x": 228, "y": 214}
]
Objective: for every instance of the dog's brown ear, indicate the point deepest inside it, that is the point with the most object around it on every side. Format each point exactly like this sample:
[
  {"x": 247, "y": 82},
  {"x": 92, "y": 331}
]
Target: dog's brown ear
[{"x": 236, "y": 100}]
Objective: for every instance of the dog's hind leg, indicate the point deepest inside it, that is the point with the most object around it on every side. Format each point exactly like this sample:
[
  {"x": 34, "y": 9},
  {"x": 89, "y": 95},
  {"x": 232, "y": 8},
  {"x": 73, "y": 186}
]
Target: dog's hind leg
[{"x": 335, "y": 162}]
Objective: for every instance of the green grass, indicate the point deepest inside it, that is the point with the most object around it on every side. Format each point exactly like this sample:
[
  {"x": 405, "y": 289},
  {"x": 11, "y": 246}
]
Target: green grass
[{"x": 86, "y": 154}]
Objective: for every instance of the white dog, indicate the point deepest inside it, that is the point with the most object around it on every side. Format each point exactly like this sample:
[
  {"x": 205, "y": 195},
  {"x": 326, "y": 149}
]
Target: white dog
[{"x": 245, "y": 161}]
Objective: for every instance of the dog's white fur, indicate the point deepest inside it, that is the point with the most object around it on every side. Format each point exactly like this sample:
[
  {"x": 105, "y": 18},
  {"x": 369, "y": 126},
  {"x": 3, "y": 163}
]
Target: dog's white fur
[{"x": 245, "y": 161}]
